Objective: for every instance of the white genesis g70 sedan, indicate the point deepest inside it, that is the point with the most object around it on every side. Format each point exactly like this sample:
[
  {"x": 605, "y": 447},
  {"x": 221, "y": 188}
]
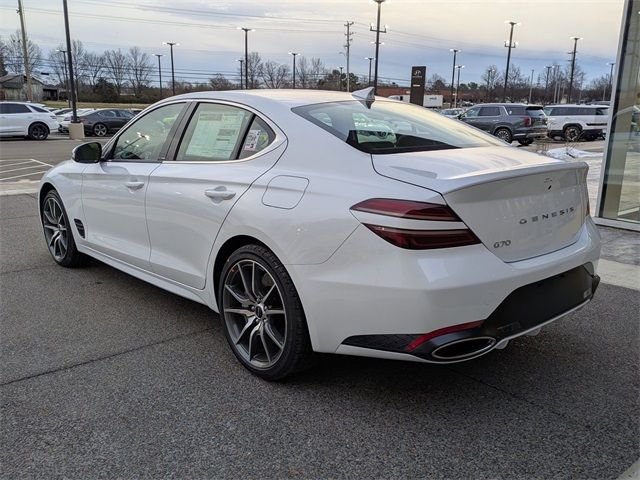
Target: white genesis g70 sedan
[{"x": 331, "y": 222}]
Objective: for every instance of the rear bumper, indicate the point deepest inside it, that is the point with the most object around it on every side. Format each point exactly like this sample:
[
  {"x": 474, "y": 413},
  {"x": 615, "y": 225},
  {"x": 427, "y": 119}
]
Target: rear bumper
[
  {"x": 524, "y": 311},
  {"x": 369, "y": 287}
]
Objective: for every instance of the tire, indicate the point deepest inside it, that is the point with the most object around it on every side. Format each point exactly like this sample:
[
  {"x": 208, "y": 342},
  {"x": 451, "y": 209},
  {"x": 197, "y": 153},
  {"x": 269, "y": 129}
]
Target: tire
[
  {"x": 525, "y": 141},
  {"x": 262, "y": 315},
  {"x": 100, "y": 130},
  {"x": 58, "y": 233},
  {"x": 572, "y": 133},
  {"x": 504, "y": 134},
  {"x": 38, "y": 131}
]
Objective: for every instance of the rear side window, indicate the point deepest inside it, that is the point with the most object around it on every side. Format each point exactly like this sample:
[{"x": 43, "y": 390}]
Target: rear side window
[
  {"x": 214, "y": 133},
  {"x": 38, "y": 109},
  {"x": 602, "y": 111},
  {"x": 107, "y": 113},
  {"x": 393, "y": 127},
  {"x": 257, "y": 138},
  {"x": 515, "y": 110},
  {"x": 489, "y": 112}
]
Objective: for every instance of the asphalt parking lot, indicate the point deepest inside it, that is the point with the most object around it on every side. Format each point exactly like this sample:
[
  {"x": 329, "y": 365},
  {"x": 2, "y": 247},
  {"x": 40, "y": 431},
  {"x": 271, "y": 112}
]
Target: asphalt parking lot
[{"x": 103, "y": 375}]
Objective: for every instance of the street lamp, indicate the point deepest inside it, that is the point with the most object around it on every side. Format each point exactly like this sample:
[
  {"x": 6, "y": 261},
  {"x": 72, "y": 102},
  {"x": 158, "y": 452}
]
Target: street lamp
[
  {"x": 294, "y": 54},
  {"x": 509, "y": 45},
  {"x": 370, "y": 60},
  {"x": 531, "y": 85},
  {"x": 378, "y": 32},
  {"x": 246, "y": 54},
  {"x": 66, "y": 77},
  {"x": 173, "y": 78},
  {"x": 159, "y": 71},
  {"x": 453, "y": 69},
  {"x": 611, "y": 64},
  {"x": 459, "y": 67},
  {"x": 573, "y": 65},
  {"x": 241, "y": 60},
  {"x": 546, "y": 82}
]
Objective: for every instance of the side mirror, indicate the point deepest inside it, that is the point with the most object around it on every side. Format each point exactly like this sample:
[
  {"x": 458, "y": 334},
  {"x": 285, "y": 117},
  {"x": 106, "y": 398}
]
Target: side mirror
[
  {"x": 87, "y": 153},
  {"x": 461, "y": 116}
]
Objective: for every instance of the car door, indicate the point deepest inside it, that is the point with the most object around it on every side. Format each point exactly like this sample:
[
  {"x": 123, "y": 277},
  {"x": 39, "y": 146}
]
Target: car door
[
  {"x": 471, "y": 116},
  {"x": 113, "y": 190},
  {"x": 488, "y": 118},
  {"x": 223, "y": 150},
  {"x": 15, "y": 119}
]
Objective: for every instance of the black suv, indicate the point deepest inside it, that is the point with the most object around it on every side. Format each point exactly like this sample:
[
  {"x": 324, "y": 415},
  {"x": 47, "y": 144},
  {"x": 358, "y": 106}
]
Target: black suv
[{"x": 509, "y": 121}]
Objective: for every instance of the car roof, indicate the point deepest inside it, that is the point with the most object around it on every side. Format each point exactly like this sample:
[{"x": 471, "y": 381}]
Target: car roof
[
  {"x": 284, "y": 97},
  {"x": 581, "y": 105}
]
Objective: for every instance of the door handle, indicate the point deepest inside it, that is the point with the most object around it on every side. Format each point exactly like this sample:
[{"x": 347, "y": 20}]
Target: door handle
[
  {"x": 220, "y": 193},
  {"x": 134, "y": 185}
]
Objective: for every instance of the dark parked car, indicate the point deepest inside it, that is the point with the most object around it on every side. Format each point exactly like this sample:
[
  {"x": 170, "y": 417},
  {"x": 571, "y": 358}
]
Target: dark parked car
[
  {"x": 509, "y": 121},
  {"x": 104, "y": 121}
]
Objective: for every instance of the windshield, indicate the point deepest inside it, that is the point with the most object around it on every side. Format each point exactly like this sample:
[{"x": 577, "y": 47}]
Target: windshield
[{"x": 393, "y": 127}]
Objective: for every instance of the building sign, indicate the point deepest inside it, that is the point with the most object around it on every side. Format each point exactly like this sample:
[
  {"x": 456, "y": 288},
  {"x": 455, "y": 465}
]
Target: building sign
[{"x": 417, "y": 85}]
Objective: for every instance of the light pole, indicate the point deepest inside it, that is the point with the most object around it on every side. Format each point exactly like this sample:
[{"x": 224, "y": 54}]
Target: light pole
[
  {"x": 74, "y": 110},
  {"x": 531, "y": 85},
  {"x": 241, "y": 60},
  {"x": 370, "y": 60},
  {"x": 378, "y": 32},
  {"x": 294, "y": 55},
  {"x": 246, "y": 54},
  {"x": 546, "y": 83},
  {"x": 66, "y": 77},
  {"x": 611, "y": 64},
  {"x": 459, "y": 67},
  {"x": 573, "y": 66},
  {"x": 453, "y": 69},
  {"x": 159, "y": 71},
  {"x": 556, "y": 83},
  {"x": 173, "y": 77},
  {"x": 509, "y": 45}
]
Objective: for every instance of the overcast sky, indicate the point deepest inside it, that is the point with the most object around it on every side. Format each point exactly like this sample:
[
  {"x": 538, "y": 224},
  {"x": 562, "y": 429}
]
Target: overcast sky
[{"x": 421, "y": 32}]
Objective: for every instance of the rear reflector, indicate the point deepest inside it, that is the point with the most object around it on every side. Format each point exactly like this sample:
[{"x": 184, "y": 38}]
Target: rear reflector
[
  {"x": 407, "y": 209},
  {"x": 442, "y": 331},
  {"x": 424, "y": 239}
]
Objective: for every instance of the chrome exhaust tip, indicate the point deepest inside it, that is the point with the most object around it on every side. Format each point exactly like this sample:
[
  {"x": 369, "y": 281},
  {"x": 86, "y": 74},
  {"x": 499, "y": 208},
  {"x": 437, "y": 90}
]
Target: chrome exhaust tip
[{"x": 465, "y": 348}]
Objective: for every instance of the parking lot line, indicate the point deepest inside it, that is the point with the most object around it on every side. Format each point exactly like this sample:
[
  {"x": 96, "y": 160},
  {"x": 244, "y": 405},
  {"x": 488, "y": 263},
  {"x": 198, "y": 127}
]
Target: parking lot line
[
  {"x": 12, "y": 164},
  {"x": 20, "y": 176},
  {"x": 43, "y": 163},
  {"x": 21, "y": 168}
]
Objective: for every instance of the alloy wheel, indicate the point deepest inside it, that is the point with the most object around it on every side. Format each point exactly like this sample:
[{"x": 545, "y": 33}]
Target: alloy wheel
[
  {"x": 572, "y": 134},
  {"x": 55, "y": 228},
  {"x": 100, "y": 130},
  {"x": 254, "y": 313},
  {"x": 504, "y": 135},
  {"x": 38, "y": 132}
]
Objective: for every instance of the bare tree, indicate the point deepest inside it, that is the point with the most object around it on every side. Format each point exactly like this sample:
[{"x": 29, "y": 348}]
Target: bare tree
[
  {"x": 490, "y": 78},
  {"x": 14, "y": 58},
  {"x": 317, "y": 71},
  {"x": 116, "y": 68},
  {"x": 57, "y": 62},
  {"x": 3, "y": 57},
  {"x": 303, "y": 67},
  {"x": 275, "y": 75},
  {"x": 254, "y": 69},
  {"x": 220, "y": 82},
  {"x": 95, "y": 66},
  {"x": 139, "y": 67}
]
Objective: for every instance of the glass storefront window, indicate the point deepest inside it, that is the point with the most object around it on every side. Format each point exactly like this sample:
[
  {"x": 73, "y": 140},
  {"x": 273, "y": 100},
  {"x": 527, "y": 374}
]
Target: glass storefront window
[{"x": 620, "y": 190}]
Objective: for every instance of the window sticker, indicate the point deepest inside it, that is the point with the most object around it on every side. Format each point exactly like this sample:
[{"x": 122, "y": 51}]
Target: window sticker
[{"x": 215, "y": 134}]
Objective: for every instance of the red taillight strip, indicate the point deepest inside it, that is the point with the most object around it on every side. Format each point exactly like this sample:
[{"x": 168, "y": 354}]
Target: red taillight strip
[
  {"x": 441, "y": 331},
  {"x": 424, "y": 239},
  {"x": 407, "y": 209}
]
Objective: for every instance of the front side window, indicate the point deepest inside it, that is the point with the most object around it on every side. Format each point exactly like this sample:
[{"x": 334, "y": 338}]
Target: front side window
[
  {"x": 471, "y": 113},
  {"x": 214, "y": 133},
  {"x": 144, "y": 139},
  {"x": 15, "y": 108},
  {"x": 392, "y": 127}
]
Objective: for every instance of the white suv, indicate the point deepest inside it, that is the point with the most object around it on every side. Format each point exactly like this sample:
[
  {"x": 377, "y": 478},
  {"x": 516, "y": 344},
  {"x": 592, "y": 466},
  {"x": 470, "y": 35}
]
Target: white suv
[
  {"x": 575, "y": 122},
  {"x": 20, "y": 119}
]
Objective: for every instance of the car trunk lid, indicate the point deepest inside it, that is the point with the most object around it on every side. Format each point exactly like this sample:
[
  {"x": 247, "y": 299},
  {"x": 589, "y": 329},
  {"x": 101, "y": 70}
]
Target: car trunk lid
[{"x": 520, "y": 205}]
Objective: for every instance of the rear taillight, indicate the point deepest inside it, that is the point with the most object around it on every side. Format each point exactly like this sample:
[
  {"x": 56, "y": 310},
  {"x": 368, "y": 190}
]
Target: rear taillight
[
  {"x": 411, "y": 239},
  {"x": 407, "y": 209},
  {"x": 424, "y": 239},
  {"x": 527, "y": 121}
]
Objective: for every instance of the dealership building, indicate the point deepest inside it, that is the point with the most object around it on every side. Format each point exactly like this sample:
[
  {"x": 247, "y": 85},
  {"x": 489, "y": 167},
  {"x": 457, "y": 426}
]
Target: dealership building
[{"x": 619, "y": 193}]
